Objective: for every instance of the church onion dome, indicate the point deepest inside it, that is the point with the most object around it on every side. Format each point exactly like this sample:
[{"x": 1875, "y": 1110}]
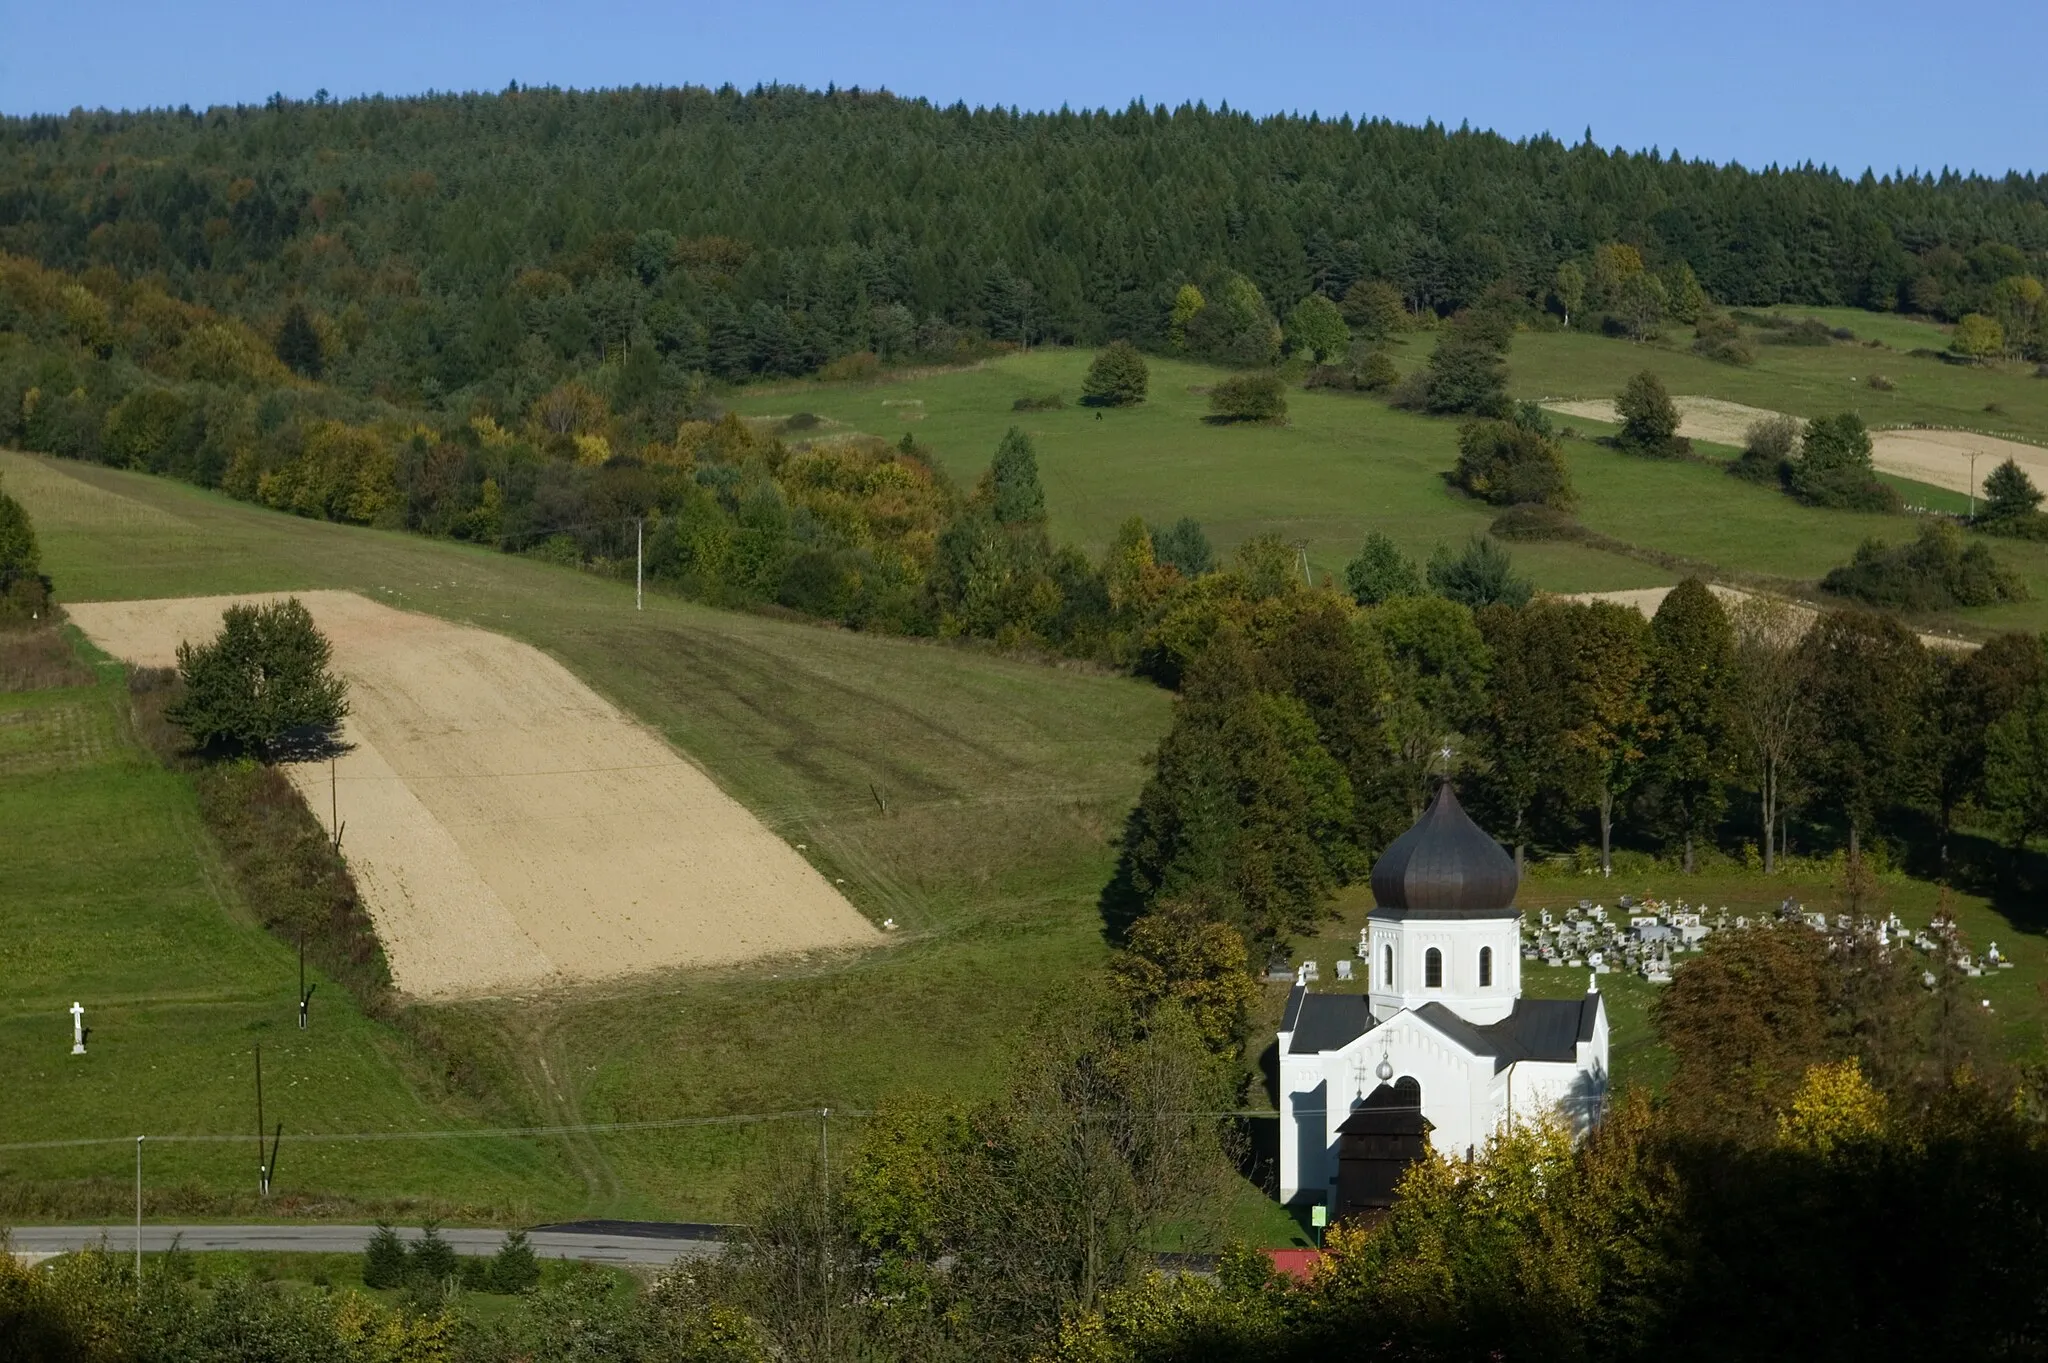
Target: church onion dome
[{"x": 1446, "y": 867}]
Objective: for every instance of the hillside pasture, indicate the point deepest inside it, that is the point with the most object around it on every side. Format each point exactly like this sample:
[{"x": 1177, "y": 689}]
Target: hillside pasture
[
  {"x": 974, "y": 799},
  {"x": 511, "y": 830},
  {"x": 113, "y": 898}
]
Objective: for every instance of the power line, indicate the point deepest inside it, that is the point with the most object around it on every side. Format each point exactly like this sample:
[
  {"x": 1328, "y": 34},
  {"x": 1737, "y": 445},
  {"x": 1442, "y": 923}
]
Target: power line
[{"x": 567, "y": 1129}]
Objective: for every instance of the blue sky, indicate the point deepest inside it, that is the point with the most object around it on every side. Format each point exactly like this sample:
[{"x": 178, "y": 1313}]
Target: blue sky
[{"x": 1879, "y": 83}]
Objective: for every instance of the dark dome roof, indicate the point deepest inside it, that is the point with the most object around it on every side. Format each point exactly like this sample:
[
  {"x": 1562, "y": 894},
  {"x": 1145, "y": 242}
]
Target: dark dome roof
[{"x": 1445, "y": 867}]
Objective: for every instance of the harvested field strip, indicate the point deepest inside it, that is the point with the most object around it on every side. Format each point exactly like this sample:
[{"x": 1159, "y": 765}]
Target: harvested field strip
[
  {"x": 1939, "y": 458},
  {"x": 507, "y": 827}
]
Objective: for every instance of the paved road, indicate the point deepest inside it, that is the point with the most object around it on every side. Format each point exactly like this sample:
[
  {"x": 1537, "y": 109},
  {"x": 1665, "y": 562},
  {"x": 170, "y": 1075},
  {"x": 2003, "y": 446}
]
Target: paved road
[{"x": 596, "y": 1243}]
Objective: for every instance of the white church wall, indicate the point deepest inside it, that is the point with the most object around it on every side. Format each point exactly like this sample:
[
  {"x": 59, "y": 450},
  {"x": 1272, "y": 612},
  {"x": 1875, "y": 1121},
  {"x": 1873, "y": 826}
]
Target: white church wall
[{"x": 1460, "y": 941}]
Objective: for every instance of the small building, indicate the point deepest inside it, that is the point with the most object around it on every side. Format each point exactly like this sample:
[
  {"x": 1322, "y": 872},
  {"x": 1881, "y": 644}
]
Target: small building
[{"x": 1442, "y": 1048}]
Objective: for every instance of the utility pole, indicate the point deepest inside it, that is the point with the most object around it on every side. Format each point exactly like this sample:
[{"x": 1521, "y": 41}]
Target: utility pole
[
  {"x": 305, "y": 994},
  {"x": 138, "y": 1217},
  {"x": 639, "y": 557},
  {"x": 262, "y": 1163}
]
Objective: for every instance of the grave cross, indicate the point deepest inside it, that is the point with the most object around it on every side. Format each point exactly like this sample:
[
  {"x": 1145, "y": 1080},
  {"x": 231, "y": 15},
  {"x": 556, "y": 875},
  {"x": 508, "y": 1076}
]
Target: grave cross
[{"x": 77, "y": 1028}]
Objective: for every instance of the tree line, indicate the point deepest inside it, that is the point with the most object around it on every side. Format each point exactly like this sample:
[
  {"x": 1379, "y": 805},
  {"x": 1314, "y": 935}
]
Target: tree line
[
  {"x": 1311, "y": 725},
  {"x": 438, "y": 248}
]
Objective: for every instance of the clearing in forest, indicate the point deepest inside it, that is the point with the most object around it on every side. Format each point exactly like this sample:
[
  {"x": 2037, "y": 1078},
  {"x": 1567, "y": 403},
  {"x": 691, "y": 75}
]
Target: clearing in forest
[{"x": 508, "y": 827}]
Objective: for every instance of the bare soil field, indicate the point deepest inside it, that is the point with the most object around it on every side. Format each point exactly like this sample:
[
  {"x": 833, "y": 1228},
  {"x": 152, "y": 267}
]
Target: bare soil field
[
  {"x": 1942, "y": 458},
  {"x": 1938, "y": 458},
  {"x": 1648, "y": 599},
  {"x": 1708, "y": 419},
  {"x": 509, "y": 828}
]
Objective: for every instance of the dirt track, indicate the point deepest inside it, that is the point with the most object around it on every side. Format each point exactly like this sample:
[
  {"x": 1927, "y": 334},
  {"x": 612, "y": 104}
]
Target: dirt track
[
  {"x": 1939, "y": 458},
  {"x": 509, "y": 828}
]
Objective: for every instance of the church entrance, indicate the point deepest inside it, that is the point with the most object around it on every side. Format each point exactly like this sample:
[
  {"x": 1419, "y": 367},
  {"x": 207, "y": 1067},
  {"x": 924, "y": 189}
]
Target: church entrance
[{"x": 1375, "y": 1145}]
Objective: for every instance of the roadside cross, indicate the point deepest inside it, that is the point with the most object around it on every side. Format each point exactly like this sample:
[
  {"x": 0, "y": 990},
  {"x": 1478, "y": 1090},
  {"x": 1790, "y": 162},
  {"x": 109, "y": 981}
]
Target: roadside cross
[{"x": 77, "y": 1028}]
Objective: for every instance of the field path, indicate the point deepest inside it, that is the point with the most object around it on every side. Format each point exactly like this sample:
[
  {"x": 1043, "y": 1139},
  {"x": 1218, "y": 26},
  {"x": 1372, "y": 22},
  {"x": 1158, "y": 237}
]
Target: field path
[{"x": 508, "y": 827}]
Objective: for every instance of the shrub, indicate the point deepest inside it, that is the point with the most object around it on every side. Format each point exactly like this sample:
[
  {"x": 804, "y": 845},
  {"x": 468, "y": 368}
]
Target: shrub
[
  {"x": 1533, "y": 522},
  {"x": 1806, "y": 331},
  {"x": 1038, "y": 402},
  {"x": 1506, "y": 463},
  {"x": 1376, "y": 372},
  {"x": 1649, "y": 419},
  {"x": 1117, "y": 378},
  {"x": 1934, "y": 572},
  {"x": 801, "y": 421},
  {"x": 1248, "y": 397},
  {"x": 1833, "y": 468},
  {"x": 1719, "y": 337},
  {"x": 261, "y": 682},
  {"x": 1767, "y": 450},
  {"x": 1880, "y": 383},
  {"x": 854, "y": 368}
]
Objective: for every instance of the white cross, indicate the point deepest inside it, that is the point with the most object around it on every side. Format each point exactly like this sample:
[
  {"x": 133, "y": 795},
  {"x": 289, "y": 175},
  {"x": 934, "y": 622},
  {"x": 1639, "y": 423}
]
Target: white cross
[{"x": 78, "y": 1029}]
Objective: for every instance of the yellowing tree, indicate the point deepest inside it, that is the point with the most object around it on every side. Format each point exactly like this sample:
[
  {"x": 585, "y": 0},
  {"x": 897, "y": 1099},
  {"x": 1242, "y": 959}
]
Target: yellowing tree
[
  {"x": 1977, "y": 337},
  {"x": 1835, "y": 1109},
  {"x": 1186, "y": 303}
]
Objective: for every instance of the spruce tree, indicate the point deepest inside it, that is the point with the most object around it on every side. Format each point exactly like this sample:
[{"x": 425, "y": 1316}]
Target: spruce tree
[
  {"x": 384, "y": 1259},
  {"x": 2010, "y": 498},
  {"x": 1016, "y": 497},
  {"x": 298, "y": 343},
  {"x": 1381, "y": 572},
  {"x": 1692, "y": 669}
]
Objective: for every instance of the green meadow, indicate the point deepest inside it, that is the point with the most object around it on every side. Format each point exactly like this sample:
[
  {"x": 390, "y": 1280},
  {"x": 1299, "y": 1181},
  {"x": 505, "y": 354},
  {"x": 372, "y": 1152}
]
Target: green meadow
[{"x": 1344, "y": 465}]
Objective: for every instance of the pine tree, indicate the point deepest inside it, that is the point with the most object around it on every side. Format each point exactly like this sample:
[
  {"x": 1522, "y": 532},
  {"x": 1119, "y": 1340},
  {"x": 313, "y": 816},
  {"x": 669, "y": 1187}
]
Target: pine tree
[
  {"x": 1381, "y": 572},
  {"x": 1692, "y": 661},
  {"x": 1015, "y": 494},
  {"x": 384, "y": 1260},
  {"x": 2010, "y": 498},
  {"x": 298, "y": 343}
]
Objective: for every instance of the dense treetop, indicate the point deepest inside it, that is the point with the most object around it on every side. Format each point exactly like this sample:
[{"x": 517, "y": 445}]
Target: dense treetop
[{"x": 772, "y": 230}]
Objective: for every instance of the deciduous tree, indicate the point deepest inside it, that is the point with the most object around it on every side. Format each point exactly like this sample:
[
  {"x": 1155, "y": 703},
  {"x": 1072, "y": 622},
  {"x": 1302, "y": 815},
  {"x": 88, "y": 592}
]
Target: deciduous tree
[
  {"x": 1118, "y": 377},
  {"x": 263, "y": 680},
  {"x": 1866, "y": 679}
]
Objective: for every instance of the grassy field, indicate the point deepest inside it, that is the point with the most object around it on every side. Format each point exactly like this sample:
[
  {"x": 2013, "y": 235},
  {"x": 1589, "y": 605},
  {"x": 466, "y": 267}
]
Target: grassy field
[
  {"x": 111, "y": 897},
  {"x": 1000, "y": 784},
  {"x": 974, "y": 799},
  {"x": 1345, "y": 465}
]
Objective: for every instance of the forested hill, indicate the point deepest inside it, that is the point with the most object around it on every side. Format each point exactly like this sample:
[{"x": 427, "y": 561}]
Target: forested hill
[{"x": 432, "y": 238}]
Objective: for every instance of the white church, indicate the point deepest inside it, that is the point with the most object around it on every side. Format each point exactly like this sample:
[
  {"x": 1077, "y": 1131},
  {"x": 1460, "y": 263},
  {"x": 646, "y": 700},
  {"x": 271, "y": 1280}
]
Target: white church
[{"x": 1442, "y": 1048}]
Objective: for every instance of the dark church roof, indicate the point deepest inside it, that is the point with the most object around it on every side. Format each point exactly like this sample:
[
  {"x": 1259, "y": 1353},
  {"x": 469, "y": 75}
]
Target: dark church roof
[
  {"x": 1445, "y": 867},
  {"x": 1324, "y": 1022},
  {"x": 1537, "y": 1029}
]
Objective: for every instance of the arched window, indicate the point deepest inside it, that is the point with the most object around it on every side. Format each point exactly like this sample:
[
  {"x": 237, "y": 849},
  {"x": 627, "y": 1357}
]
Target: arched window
[
  {"x": 1387, "y": 969},
  {"x": 1486, "y": 967},
  {"x": 1407, "y": 1092},
  {"x": 1433, "y": 969}
]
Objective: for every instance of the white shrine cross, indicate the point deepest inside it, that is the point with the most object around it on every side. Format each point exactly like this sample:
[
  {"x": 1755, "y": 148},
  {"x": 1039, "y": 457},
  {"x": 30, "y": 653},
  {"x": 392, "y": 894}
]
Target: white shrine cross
[{"x": 78, "y": 1029}]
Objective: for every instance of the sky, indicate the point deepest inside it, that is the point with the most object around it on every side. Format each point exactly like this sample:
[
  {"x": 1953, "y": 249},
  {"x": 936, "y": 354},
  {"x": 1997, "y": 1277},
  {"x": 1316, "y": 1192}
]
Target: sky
[{"x": 1881, "y": 83}]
